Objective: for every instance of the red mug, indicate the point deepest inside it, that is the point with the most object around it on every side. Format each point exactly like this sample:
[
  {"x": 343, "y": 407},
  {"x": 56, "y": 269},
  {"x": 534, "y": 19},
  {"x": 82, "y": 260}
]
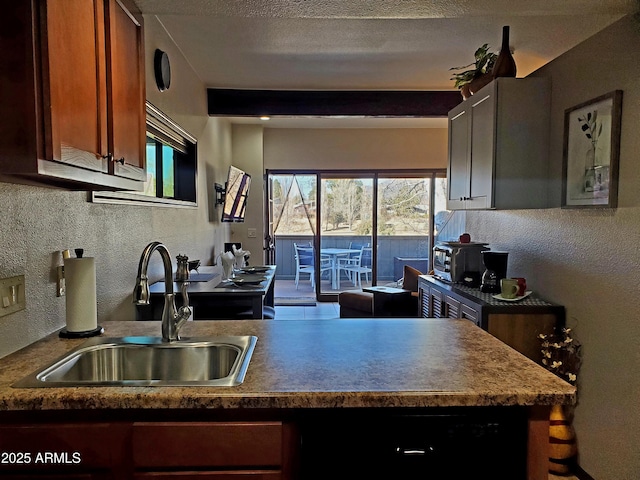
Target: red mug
[{"x": 522, "y": 286}]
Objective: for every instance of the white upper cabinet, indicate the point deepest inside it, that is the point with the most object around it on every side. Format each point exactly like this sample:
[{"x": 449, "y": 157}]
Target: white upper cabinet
[{"x": 499, "y": 147}]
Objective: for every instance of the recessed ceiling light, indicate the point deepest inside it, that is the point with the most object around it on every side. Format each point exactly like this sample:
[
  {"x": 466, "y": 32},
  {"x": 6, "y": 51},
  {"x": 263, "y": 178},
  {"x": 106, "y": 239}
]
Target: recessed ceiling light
[{"x": 265, "y": 118}]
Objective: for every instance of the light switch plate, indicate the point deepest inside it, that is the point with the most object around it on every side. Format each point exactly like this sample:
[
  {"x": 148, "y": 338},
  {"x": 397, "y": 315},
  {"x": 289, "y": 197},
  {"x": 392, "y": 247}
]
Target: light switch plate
[
  {"x": 12, "y": 298},
  {"x": 251, "y": 233}
]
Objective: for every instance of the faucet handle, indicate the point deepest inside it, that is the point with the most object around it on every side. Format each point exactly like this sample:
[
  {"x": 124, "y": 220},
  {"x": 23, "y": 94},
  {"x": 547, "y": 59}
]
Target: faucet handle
[
  {"x": 182, "y": 273},
  {"x": 141, "y": 291},
  {"x": 185, "y": 294}
]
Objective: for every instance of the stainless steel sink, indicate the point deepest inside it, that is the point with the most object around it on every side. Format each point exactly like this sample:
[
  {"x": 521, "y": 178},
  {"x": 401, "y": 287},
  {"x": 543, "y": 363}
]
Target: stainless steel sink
[{"x": 148, "y": 361}]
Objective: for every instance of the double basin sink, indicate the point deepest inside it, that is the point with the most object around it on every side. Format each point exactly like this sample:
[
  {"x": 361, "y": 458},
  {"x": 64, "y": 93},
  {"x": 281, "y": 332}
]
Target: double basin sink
[{"x": 148, "y": 361}]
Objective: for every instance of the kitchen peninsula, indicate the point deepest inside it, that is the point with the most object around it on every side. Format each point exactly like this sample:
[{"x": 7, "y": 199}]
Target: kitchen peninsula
[{"x": 303, "y": 374}]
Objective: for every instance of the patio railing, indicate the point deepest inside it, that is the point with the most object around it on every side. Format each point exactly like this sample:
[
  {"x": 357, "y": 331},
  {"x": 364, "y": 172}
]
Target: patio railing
[{"x": 393, "y": 253}]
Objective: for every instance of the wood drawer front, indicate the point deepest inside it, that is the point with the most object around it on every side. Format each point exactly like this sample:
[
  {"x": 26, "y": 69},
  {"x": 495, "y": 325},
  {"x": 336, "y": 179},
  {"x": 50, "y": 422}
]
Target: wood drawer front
[
  {"x": 61, "y": 476},
  {"x": 219, "y": 444},
  {"x": 218, "y": 475},
  {"x": 78, "y": 447}
]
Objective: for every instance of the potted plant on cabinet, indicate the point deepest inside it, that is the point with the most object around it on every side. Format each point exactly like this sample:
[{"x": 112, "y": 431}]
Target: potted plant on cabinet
[{"x": 473, "y": 79}]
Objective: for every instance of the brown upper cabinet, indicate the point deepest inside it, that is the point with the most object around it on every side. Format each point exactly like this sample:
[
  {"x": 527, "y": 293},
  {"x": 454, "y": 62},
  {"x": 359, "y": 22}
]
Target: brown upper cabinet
[{"x": 72, "y": 95}]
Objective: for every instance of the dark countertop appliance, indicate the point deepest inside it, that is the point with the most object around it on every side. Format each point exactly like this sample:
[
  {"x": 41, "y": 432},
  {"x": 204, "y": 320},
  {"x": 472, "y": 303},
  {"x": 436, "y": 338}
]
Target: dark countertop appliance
[
  {"x": 458, "y": 262},
  {"x": 496, "y": 270}
]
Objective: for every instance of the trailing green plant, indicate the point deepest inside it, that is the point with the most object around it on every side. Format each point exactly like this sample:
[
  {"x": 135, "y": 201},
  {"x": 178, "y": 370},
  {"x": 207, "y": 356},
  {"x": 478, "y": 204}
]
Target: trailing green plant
[{"x": 484, "y": 61}]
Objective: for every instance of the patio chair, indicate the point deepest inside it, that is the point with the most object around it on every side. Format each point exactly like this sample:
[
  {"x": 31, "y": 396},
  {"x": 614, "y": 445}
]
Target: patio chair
[
  {"x": 305, "y": 263},
  {"x": 355, "y": 266}
]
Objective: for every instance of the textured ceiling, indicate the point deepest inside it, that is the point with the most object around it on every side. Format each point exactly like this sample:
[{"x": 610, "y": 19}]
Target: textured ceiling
[{"x": 358, "y": 44}]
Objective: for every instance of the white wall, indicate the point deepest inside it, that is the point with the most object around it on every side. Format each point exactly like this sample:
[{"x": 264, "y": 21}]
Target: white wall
[
  {"x": 247, "y": 155},
  {"x": 256, "y": 149},
  {"x": 38, "y": 221},
  {"x": 589, "y": 260},
  {"x": 359, "y": 149}
]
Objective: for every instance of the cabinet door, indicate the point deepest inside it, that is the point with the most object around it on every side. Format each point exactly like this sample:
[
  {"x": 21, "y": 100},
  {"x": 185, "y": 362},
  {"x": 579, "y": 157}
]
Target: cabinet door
[
  {"x": 436, "y": 304},
  {"x": 74, "y": 90},
  {"x": 470, "y": 313},
  {"x": 452, "y": 307},
  {"x": 210, "y": 475},
  {"x": 126, "y": 105},
  {"x": 207, "y": 444},
  {"x": 481, "y": 167},
  {"x": 63, "y": 450},
  {"x": 424, "y": 299},
  {"x": 65, "y": 476},
  {"x": 520, "y": 331},
  {"x": 458, "y": 173}
]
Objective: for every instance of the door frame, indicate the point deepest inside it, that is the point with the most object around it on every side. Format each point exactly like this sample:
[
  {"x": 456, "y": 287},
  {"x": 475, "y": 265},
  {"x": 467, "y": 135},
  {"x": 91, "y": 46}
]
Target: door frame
[{"x": 375, "y": 175}]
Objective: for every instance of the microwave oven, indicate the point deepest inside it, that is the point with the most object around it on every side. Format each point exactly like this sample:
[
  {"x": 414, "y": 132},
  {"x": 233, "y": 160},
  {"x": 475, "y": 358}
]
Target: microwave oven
[{"x": 453, "y": 260}]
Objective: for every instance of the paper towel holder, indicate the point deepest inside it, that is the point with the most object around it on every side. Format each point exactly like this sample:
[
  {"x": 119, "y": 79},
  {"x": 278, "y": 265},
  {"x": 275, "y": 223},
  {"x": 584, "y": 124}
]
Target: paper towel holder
[{"x": 64, "y": 333}]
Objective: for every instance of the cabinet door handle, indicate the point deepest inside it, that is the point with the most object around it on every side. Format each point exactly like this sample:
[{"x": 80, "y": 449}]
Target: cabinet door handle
[
  {"x": 413, "y": 451},
  {"x": 109, "y": 157}
]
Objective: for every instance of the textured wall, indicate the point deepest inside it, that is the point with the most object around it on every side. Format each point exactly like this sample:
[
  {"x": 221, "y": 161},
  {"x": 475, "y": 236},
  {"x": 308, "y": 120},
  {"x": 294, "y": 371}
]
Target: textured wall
[
  {"x": 38, "y": 221},
  {"x": 589, "y": 260},
  {"x": 247, "y": 155},
  {"x": 342, "y": 149}
]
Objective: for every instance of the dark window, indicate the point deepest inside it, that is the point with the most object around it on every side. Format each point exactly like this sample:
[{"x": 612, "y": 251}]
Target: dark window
[{"x": 171, "y": 166}]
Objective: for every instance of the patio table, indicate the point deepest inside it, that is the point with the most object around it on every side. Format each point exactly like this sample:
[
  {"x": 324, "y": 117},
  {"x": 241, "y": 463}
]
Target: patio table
[{"x": 333, "y": 254}]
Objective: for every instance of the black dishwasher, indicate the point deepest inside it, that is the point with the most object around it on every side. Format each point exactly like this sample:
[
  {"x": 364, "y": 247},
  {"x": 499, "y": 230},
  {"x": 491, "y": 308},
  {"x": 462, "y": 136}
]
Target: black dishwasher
[{"x": 450, "y": 445}]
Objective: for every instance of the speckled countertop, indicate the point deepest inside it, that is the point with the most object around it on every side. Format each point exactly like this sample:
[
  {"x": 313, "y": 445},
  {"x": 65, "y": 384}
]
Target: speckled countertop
[{"x": 317, "y": 364}]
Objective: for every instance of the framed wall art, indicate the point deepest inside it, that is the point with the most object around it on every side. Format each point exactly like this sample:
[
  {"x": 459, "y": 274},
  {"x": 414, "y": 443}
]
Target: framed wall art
[{"x": 591, "y": 153}]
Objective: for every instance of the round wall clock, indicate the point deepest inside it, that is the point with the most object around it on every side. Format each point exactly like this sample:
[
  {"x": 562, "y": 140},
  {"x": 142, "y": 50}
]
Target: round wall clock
[{"x": 162, "y": 70}]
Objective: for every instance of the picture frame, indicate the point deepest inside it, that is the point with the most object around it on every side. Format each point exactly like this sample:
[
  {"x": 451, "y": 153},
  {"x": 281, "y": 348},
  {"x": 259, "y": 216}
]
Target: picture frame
[{"x": 591, "y": 152}]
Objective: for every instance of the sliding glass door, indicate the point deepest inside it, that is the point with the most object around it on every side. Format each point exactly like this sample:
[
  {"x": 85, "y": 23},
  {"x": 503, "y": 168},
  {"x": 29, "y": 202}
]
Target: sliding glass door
[
  {"x": 404, "y": 225},
  {"x": 346, "y": 232},
  {"x": 291, "y": 237},
  {"x": 339, "y": 231}
]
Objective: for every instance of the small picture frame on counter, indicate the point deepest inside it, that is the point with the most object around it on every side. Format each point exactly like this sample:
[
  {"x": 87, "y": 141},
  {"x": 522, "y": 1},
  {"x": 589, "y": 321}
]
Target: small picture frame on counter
[{"x": 591, "y": 153}]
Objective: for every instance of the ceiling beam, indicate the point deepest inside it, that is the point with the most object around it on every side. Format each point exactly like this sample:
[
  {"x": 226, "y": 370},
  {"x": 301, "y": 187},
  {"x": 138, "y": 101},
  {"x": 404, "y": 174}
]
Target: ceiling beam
[{"x": 331, "y": 103}]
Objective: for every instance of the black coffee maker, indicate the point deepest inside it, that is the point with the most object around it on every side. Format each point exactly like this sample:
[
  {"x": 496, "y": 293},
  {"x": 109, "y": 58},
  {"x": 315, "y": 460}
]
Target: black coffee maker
[{"x": 496, "y": 270}]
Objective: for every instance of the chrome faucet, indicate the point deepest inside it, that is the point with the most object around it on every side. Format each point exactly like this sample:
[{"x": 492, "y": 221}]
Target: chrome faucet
[{"x": 172, "y": 319}]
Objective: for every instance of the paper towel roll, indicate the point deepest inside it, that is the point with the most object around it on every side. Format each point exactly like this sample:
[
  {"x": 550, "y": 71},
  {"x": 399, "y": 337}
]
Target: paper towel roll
[{"x": 82, "y": 308}]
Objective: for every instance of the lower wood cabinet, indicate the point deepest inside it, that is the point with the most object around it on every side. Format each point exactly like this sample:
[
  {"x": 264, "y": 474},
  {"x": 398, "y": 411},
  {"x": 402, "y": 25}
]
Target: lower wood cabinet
[
  {"x": 213, "y": 475},
  {"x": 56, "y": 451},
  {"x": 438, "y": 304},
  {"x": 516, "y": 324},
  {"x": 239, "y": 445},
  {"x": 146, "y": 450}
]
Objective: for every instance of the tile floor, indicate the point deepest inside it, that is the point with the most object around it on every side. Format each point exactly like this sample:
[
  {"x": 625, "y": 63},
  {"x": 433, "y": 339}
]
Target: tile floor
[
  {"x": 322, "y": 310},
  {"x": 287, "y": 288}
]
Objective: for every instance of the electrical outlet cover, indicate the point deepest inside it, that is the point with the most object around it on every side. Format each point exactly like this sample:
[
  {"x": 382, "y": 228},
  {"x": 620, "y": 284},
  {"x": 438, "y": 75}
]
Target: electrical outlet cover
[{"x": 12, "y": 298}]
